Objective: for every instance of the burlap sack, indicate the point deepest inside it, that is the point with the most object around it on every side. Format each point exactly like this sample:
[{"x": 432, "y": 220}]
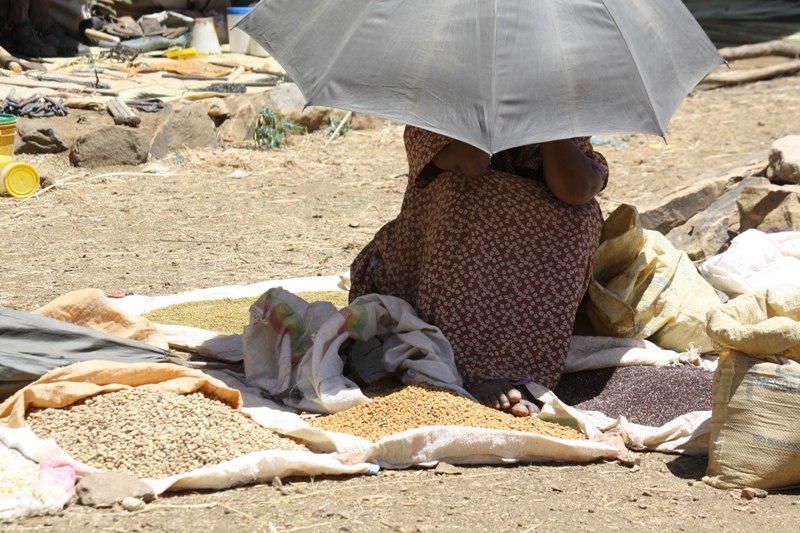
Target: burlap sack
[
  {"x": 755, "y": 420},
  {"x": 643, "y": 288},
  {"x": 91, "y": 308},
  {"x": 65, "y": 386}
]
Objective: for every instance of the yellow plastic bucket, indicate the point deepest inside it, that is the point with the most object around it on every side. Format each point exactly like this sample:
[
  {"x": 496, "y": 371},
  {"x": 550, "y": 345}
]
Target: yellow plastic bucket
[
  {"x": 19, "y": 179},
  {"x": 8, "y": 130}
]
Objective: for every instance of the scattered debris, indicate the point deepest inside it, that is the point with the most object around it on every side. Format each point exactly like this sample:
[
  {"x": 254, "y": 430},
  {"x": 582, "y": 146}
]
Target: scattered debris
[
  {"x": 123, "y": 115},
  {"x": 750, "y": 493},
  {"x": 34, "y": 106}
]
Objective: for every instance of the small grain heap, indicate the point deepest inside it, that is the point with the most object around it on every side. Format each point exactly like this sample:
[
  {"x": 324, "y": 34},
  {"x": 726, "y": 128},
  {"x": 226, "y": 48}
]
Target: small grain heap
[
  {"x": 395, "y": 411},
  {"x": 149, "y": 432}
]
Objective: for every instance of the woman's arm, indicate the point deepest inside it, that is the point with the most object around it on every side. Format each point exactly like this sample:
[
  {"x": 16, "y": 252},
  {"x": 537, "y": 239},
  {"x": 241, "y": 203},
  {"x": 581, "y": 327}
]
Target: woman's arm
[
  {"x": 568, "y": 173},
  {"x": 462, "y": 158}
]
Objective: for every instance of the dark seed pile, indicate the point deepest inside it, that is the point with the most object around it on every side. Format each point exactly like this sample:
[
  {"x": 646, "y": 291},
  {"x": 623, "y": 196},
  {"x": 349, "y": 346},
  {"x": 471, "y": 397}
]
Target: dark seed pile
[{"x": 646, "y": 395}]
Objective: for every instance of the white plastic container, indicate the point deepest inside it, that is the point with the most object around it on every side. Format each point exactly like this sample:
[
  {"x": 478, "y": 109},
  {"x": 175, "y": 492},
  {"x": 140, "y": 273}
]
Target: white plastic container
[
  {"x": 204, "y": 36},
  {"x": 238, "y": 40},
  {"x": 257, "y": 50}
]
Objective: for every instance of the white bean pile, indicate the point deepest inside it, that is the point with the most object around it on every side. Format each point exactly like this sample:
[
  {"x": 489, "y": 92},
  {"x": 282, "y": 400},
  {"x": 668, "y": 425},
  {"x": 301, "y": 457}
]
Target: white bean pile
[{"x": 149, "y": 432}]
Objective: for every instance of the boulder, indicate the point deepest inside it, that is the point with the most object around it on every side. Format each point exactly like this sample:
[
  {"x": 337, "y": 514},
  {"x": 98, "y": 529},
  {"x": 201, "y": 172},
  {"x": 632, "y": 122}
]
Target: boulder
[
  {"x": 710, "y": 231},
  {"x": 188, "y": 126},
  {"x": 109, "y": 145},
  {"x": 216, "y": 108},
  {"x": 241, "y": 125},
  {"x": 769, "y": 208},
  {"x": 288, "y": 103},
  {"x": 37, "y": 138},
  {"x": 784, "y": 160},
  {"x": 104, "y": 489},
  {"x": 664, "y": 212}
]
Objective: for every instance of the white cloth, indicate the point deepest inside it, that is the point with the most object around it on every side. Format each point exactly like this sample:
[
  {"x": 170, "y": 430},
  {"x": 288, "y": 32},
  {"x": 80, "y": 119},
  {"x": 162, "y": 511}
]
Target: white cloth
[{"x": 756, "y": 260}]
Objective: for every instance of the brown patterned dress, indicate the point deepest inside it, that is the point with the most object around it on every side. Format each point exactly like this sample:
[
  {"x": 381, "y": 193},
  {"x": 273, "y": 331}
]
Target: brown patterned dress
[{"x": 498, "y": 263}]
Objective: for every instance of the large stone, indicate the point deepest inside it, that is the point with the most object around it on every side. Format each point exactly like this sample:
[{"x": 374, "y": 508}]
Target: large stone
[
  {"x": 216, "y": 108},
  {"x": 769, "y": 207},
  {"x": 784, "y": 160},
  {"x": 241, "y": 125},
  {"x": 710, "y": 231},
  {"x": 288, "y": 103},
  {"x": 188, "y": 126},
  {"x": 664, "y": 212},
  {"x": 37, "y": 138},
  {"x": 109, "y": 145},
  {"x": 104, "y": 489}
]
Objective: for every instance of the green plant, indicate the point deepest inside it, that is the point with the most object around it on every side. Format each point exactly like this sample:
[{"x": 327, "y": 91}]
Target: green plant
[
  {"x": 270, "y": 131},
  {"x": 333, "y": 124}
]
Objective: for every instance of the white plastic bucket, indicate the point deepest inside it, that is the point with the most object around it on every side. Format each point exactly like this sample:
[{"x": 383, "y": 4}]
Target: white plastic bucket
[{"x": 238, "y": 40}]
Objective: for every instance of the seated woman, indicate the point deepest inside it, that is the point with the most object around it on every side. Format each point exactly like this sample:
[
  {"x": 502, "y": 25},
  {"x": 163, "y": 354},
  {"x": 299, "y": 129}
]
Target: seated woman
[{"x": 496, "y": 252}]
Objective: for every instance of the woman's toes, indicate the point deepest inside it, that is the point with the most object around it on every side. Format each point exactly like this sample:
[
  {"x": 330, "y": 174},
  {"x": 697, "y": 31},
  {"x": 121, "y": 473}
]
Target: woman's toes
[{"x": 514, "y": 395}]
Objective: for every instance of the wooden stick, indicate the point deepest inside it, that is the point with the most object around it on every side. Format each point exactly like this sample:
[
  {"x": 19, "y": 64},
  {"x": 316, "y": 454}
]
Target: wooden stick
[
  {"x": 735, "y": 77},
  {"x": 238, "y": 71},
  {"x": 339, "y": 127},
  {"x": 770, "y": 48},
  {"x": 12, "y": 65},
  {"x": 123, "y": 114}
]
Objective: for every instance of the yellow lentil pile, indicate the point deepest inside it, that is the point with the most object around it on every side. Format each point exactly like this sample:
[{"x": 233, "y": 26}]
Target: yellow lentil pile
[
  {"x": 417, "y": 406},
  {"x": 228, "y": 315},
  {"x": 150, "y": 432}
]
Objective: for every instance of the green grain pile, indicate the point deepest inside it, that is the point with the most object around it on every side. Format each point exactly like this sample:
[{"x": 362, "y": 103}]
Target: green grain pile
[
  {"x": 149, "y": 432},
  {"x": 395, "y": 411},
  {"x": 228, "y": 316}
]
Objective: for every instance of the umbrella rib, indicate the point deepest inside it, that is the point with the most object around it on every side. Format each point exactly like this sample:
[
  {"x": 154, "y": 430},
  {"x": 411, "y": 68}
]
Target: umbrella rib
[
  {"x": 493, "y": 99},
  {"x": 653, "y": 114}
]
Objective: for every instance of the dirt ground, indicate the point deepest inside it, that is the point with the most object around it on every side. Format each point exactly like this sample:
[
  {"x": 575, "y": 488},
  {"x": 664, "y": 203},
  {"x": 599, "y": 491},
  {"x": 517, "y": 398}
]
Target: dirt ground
[{"x": 236, "y": 215}]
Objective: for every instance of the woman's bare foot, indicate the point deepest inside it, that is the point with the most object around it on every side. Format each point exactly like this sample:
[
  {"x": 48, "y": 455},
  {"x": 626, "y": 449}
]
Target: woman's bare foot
[{"x": 501, "y": 394}]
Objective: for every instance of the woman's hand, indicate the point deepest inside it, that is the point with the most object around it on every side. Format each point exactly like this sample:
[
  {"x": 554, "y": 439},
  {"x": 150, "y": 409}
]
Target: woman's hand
[
  {"x": 568, "y": 173},
  {"x": 462, "y": 158}
]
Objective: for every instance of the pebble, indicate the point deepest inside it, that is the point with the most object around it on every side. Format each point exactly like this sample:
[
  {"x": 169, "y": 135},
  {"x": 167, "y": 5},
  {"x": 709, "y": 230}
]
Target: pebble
[
  {"x": 152, "y": 433},
  {"x": 132, "y": 504}
]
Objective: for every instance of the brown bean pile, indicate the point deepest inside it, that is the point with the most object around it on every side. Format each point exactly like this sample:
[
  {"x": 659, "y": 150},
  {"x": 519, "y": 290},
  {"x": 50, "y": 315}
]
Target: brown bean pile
[
  {"x": 149, "y": 432},
  {"x": 647, "y": 395},
  {"x": 228, "y": 315},
  {"x": 417, "y": 406}
]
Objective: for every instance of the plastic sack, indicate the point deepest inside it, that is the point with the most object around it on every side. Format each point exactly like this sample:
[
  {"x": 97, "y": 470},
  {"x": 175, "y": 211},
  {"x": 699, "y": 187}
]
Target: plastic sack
[
  {"x": 756, "y": 260},
  {"x": 643, "y": 288},
  {"x": 755, "y": 434}
]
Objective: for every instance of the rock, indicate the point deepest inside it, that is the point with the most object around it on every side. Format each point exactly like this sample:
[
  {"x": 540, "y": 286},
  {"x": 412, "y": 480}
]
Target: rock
[
  {"x": 749, "y": 493},
  {"x": 216, "y": 108},
  {"x": 710, "y": 231},
  {"x": 104, "y": 489},
  {"x": 109, "y": 145},
  {"x": 287, "y": 101},
  {"x": 769, "y": 207},
  {"x": 784, "y": 160},
  {"x": 446, "y": 469},
  {"x": 241, "y": 125},
  {"x": 277, "y": 483},
  {"x": 132, "y": 504},
  {"x": 664, "y": 212},
  {"x": 37, "y": 138},
  {"x": 629, "y": 459},
  {"x": 360, "y": 122},
  {"x": 188, "y": 126}
]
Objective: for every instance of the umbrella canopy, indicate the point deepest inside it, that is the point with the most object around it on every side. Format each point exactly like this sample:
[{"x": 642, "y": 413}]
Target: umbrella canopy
[{"x": 492, "y": 73}]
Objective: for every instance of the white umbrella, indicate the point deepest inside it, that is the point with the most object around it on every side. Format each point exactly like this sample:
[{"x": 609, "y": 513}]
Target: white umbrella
[{"x": 492, "y": 73}]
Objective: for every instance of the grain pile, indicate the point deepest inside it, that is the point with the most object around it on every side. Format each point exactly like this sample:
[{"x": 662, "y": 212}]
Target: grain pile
[
  {"x": 417, "y": 406},
  {"x": 647, "y": 395},
  {"x": 228, "y": 315},
  {"x": 18, "y": 476},
  {"x": 149, "y": 432}
]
